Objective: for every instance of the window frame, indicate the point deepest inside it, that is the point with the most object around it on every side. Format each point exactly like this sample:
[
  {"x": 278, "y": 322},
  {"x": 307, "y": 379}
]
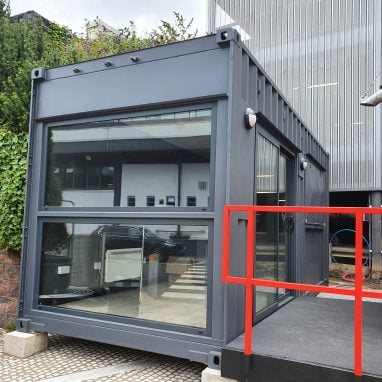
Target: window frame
[
  {"x": 116, "y": 214},
  {"x": 115, "y": 116},
  {"x": 109, "y": 318},
  {"x": 62, "y": 170}
]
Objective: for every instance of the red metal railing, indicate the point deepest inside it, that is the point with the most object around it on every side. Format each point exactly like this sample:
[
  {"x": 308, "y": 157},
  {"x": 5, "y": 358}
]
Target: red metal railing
[{"x": 249, "y": 281}]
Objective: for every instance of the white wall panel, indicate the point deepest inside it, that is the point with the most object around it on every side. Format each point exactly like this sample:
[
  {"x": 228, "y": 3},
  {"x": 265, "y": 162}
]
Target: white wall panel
[
  {"x": 142, "y": 180},
  {"x": 192, "y": 174},
  {"x": 87, "y": 198}
]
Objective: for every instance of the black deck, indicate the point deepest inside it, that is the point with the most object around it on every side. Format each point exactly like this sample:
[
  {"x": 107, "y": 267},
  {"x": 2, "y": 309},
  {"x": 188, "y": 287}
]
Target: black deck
[{"x": 308, "y": 340}]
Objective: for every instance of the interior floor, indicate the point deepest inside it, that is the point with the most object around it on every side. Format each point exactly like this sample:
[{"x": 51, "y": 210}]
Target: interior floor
[{"x": 181, "y": 301}]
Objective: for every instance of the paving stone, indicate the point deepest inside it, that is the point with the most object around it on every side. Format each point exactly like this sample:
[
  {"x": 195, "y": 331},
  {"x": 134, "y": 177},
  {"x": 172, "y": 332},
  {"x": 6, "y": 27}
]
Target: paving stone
[{"x": 66, "y": 356}]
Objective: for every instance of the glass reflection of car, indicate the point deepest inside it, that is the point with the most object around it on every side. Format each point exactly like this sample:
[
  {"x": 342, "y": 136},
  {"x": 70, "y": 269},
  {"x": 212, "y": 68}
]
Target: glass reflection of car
[{"x": 119, "y": 236}]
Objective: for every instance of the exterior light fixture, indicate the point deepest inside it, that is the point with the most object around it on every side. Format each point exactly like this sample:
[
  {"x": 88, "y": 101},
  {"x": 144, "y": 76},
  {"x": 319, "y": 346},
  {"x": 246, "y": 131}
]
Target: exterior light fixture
[
  {"x": 134, "y": 58},
  {"x": 108, "y": 64},
  {"x": 76, "y": 70},
  {"x": 249, "y": 118},
  {"x": 224, "y": 35},
  {"x": 303, "y": 164},
  {"x": 372, "y": 100}
]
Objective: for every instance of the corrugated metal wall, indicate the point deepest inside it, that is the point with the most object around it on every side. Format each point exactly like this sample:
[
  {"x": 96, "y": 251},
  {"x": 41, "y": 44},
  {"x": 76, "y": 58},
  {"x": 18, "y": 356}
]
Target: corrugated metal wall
[{"x": 323, "y": 55}]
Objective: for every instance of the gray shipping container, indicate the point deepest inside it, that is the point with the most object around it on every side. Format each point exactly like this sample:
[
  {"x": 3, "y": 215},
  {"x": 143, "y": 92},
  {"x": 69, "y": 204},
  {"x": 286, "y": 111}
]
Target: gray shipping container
[{"x": 131, "y": 160}]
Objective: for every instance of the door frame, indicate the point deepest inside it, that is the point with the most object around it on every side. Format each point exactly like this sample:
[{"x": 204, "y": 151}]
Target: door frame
[{"x": 291, "y": 156}]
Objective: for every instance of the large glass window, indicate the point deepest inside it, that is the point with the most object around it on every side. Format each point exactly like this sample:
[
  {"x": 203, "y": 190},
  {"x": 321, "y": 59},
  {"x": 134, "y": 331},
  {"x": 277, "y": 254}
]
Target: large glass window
[
  {"x": 160, "y": 160},
  {"x": 150, "y": 272},
  {"x": 266, "y": 222},
  {"x": 272, "y": 229}
]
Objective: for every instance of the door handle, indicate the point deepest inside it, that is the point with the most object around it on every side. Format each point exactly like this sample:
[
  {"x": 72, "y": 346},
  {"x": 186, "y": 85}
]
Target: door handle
[
  {"x": 288, "y": 224},
  {"x": 314, "y": 225}
]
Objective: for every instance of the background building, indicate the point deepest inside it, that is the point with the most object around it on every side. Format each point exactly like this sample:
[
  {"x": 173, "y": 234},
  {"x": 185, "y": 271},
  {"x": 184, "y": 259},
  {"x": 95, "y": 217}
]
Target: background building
[
  {"x": 324, "y": 55},
  {"x": 99, "y": 27},
  {"x": 32, "y": 16}
]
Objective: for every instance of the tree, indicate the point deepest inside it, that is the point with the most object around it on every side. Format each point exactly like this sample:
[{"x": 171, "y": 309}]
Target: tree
[
  {"x": 4, "y": 8},
  {"x": 167, "y": 33},
  {"x": 27, "y": 44}
]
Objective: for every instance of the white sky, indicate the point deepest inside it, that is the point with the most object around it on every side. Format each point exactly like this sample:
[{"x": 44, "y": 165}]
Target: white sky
[{"x": 146, "y": 13}]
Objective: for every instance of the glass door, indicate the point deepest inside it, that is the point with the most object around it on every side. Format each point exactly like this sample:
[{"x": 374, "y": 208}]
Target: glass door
[
  {"x": 266, "y": 223},
  {"x": 272, "y": 229}
]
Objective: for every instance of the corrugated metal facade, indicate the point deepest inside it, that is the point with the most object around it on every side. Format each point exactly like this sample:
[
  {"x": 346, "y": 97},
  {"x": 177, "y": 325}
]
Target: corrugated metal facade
[{"x": 323, "y": 55}]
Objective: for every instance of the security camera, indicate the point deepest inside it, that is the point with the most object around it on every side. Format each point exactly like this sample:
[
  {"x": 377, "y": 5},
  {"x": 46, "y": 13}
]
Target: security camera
[{"x": 372, "y": 100}]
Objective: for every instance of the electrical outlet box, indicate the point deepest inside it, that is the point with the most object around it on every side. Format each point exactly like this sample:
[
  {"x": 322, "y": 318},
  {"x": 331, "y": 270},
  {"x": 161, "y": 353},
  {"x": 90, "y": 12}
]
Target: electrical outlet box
[
  {"x": 63, "y": 269},
  {"x": 97, "y": 265}
]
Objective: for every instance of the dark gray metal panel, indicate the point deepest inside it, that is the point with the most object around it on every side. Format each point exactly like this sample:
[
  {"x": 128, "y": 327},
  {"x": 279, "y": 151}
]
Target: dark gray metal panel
[
  {"x": 235, "y": 294},
  {"x": 31, "y": 276},
  {"x": 68, "y": 317},
  {"x": 242, "y": 141},
  {"x": 156, "y": 82},
  {"x": 251, "y": 87},
  {"x": 26, "y": 219},
  {"x": 315, "y": 255},
  {"x": 160, "y": 342},
  {"x": 145, "y": 55},
  {"x": 218, "y": 292},
  {"x": 240, "y": 188},
  {"x": 279, "y": 114},
  {"x": 297, "y": 248}
]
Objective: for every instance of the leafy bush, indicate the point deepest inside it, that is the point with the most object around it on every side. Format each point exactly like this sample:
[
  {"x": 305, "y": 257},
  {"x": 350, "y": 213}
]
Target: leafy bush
[{"x": 9, "y": 327}]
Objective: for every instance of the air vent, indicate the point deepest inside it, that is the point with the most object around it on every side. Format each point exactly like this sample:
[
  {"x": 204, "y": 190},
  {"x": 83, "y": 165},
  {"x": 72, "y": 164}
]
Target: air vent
[{"x": 202, "y": 185}]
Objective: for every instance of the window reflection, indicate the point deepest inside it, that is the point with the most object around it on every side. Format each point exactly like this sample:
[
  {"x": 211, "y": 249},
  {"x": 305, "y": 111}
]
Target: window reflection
[
  {"x": 151, "y": 272},
  {"x": 150, "y": 161},
  {"x": 271, "y": 228},
  {"x": 266, "y": 222}
]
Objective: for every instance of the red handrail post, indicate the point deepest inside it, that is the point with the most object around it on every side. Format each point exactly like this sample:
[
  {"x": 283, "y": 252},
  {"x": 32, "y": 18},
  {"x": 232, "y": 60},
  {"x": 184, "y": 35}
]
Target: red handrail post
[
  {"x": 248, "y": 285},
  {"x": 358, "y": 296},
  {"x": 226, "y": 243}
]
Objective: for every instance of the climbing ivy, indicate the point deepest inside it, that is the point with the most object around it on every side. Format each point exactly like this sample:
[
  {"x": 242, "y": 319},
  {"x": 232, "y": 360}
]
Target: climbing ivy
[
  {"x": 59, "y": 33},
  {"x": 13, "y": 153},
  {"x": 31, "y": 43}
]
